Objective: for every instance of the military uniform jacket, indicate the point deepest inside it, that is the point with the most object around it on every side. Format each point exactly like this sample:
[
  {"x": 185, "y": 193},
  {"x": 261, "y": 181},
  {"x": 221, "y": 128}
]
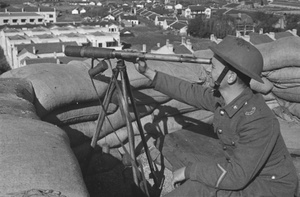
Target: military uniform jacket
[{"x": 256, "y": 161}]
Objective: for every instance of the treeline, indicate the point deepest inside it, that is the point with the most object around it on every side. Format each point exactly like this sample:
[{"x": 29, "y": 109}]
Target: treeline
[{"x": 221, "y": 25}]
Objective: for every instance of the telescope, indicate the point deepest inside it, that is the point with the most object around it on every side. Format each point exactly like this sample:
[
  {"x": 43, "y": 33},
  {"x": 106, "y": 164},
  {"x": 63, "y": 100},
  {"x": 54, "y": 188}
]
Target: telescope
[{"x": 105, "y": 53}]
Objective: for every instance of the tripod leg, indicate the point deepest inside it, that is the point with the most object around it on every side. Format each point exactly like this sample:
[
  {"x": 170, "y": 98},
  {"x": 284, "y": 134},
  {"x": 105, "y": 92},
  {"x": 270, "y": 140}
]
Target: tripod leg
[
  {"x": 140, "y": 128},
  {"x": 107, "y": 98},
  {"x": 123, "y": 100}
]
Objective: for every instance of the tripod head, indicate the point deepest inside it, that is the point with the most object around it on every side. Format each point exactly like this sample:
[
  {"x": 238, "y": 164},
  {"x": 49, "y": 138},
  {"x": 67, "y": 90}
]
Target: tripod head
[{"x": 105, "y": 53}]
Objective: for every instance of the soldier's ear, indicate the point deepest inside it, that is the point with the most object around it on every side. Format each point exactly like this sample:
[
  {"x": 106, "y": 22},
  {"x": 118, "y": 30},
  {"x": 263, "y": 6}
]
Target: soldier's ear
[{"x": 231, "y": 77}]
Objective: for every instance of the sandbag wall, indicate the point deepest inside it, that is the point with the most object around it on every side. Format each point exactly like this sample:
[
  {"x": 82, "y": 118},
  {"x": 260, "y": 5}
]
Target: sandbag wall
[
  {"x": 35, "y": 156},
  {"x": 66, "y": 97},
  {"x": 282, "y": 69}
]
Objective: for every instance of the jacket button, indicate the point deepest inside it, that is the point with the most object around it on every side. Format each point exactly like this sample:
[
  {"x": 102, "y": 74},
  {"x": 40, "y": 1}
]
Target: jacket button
[
  {"x": 220, "y": 131},
  {"x": 273, "y": 177},
  {"x": 224, "y": 148},
  {"x": 222, "y": 112},
  {"x": 233, "y": 143}
]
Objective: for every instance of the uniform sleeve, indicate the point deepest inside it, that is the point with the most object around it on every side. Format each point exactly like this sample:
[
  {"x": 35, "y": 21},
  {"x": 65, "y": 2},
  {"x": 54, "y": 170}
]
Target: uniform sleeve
[
  {"x": 192, "y": 94},
  {"x": 258, "y": 137}
]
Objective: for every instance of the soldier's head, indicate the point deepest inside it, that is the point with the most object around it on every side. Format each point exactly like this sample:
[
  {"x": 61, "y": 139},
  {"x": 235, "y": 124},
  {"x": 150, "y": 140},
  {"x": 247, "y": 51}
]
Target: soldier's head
[{"x": 235, "y": 60}]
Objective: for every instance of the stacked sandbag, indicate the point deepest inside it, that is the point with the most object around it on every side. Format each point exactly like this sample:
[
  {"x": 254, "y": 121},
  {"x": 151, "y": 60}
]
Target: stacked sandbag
[
  {"x": 65, "y": 95},
  {"x": 282, "y": 67},
  {"x": 36, "y": 157}
]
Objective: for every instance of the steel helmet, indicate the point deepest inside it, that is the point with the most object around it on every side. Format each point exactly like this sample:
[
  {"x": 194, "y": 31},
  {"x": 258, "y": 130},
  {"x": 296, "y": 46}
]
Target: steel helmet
[{"x": 241, "y": 55}]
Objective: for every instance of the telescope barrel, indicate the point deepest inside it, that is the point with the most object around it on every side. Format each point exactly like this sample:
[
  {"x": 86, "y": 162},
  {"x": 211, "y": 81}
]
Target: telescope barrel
[{"x": 95, "y": 52}]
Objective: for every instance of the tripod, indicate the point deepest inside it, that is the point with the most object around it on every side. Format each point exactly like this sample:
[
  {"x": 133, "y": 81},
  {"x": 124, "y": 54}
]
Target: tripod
[{"x": 124, "y": 93}]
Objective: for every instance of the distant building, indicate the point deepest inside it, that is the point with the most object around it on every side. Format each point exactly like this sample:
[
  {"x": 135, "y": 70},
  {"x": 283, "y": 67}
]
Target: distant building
[
  {"x": 130, "y": 20},
  {"x": 21, "y": 18},
  {"x": 27, "y": 12},
  {"x": 196, "y": 10},
  {"x": 42, "y": 42}
]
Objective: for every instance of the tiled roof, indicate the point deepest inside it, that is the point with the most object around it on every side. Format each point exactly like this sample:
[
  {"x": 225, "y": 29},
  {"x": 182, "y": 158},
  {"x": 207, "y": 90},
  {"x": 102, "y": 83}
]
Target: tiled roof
[
  {"x": 232, "y": 5},
  {"x": 11, "y": 9},
  {"x": 66, "y": 59},
  {"x": 202, "y": 45},
  {"x": 195, "y": 8},
  {"x": 166, "y": 18},
  {"x": 153, "y": 16},
  {"x": 178, "y": 25},
  {"x": 129, "y": 17},
  {"x": 21, "y": 26},
  {"x": 181, "y": 49},
  {"x": 44, "y": 48},
  {"x": 143, "y": 12},
  {"x": 62, "y": 60},
  {"x": 73, "y": 35},
  {"x": 40, "y": 60},
  {"x": 27, "y": 9},
  {"x": 282, "y": 35},
  {"x": 148, "y": 13},
  {"x": 169, "y": 22},
  {"x": 17, "y": 37},
  {"x": 256, "y": 38},
  {"x": 46, "y": 36},
  {"x": 25, "y": 14}
]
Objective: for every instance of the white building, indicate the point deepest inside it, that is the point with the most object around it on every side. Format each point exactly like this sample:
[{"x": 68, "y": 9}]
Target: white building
[
  {"x": 21, "y": 18},
  {"x": 20, "y": 45},
  {"x": 26, "y": 14}
]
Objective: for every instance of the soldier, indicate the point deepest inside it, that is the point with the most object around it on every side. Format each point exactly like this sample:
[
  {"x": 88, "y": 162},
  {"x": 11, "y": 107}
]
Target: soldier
[{"x": 256, "y": 161}]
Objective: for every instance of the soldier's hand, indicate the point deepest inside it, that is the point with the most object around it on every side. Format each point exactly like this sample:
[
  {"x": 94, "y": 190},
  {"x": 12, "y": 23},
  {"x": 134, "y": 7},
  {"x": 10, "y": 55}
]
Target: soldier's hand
[{"x": 141, "y": 66}]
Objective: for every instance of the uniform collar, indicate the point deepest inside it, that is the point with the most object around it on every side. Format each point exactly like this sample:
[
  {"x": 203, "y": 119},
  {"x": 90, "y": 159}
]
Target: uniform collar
[{"x": 238, "y": 102}]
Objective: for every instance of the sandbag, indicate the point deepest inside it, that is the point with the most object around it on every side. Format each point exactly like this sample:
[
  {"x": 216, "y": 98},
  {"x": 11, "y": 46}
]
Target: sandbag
[
  {"x": 263, "y": 88},
  {"x": 58, "y": 85},
  {"x": 293, "y": 108},
  {"x": 113, "y": 122},
  {"x": 89, "y": 111},
  {"x": 289, "y": 94},
  {"x": 148, "y": 96},
  {"x": 19, "y": 107},
  {"x": 19, "y": 87},
  {"x": 280, "y": 53},
  {"x": 78, "y": 112},
  {"x": 37, "y": 155},
  {"x": 290, "y": 133},
  {"x": 287, "y": 77}
]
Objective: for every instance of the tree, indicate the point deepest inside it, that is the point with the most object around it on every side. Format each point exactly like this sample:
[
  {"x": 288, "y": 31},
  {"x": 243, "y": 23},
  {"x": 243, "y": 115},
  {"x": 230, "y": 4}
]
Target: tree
[
  {"x": 219, "y": 25},
  {"x": 292, "y": 22},
  {"x": 265, "y": 21},
  {"x": 4, "y": 66},
  {"x": 223, "y": 25},
  {"x": 197, "y": 28}
]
